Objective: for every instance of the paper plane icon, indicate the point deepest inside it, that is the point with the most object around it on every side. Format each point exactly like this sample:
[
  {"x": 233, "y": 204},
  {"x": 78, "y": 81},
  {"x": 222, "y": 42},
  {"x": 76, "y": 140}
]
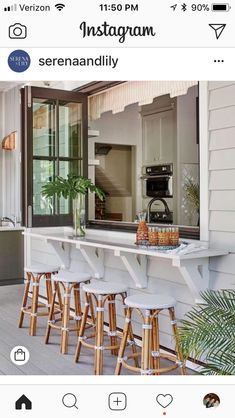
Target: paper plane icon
[
  {"x": 174, "y": 7},
  {"x": 218, "y": 28}
]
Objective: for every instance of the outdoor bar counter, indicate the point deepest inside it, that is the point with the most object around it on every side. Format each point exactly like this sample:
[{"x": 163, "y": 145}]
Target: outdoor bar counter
[{"x": 192, "y": 262}]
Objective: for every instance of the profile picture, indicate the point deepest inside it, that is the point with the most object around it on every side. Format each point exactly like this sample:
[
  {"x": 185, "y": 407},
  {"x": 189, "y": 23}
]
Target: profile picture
[{"x": 211, "y": 400}]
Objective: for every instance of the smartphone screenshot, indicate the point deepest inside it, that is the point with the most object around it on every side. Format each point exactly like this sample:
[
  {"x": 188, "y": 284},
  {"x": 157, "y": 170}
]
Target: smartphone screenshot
[{"x": 117, "y": 208}]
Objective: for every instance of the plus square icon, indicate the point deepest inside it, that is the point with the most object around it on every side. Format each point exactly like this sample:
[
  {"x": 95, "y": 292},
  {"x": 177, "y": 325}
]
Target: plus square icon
[{"x": 117, "y": 401}]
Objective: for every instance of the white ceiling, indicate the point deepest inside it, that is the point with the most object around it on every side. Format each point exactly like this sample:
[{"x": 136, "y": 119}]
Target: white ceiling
[{"x": 7, "y": 85}]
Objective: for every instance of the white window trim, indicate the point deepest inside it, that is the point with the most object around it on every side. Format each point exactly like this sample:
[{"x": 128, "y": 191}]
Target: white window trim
[{"x": 204, "y": 159}]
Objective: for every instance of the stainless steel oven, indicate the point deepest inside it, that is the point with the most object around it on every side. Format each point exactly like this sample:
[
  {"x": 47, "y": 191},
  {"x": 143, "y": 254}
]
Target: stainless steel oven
[{"x": 157, "y": 181}]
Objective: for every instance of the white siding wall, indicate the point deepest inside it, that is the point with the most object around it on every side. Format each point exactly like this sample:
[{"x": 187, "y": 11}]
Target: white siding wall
[
  {"x": 10, "y": 160},
  {"x": 222, "y": 179}
]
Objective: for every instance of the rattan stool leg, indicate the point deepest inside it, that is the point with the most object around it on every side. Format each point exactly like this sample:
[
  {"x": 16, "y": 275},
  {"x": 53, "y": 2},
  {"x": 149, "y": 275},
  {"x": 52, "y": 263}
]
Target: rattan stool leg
[
  {"x": 174, "y": 328},
  {"x": 155, "y": 344},
  {"x": 25, "y": 299},
  {"x": 112, "y": 323},
  {"x": 49, "y": 290},
  {"x": 51, "y": 313},
  {"x": 99, "y": 338},
  {"x": 34, "y": 309},
  {"x": 59, "y": 298},
  {"x": 77, "y": 306},
  {"x": 82, "y": 327},
  {"x": 91, "y": 307},
  {"x": 131, "y": 337},
  {"x": 65, "y": 320},
  {"x": 126, "y": 332},
  {"x": 145, "y": 358}
]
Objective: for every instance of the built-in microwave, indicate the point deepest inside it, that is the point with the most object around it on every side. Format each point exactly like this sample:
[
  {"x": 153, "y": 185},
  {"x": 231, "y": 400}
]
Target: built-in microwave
[{"x": 157, "y": 181}]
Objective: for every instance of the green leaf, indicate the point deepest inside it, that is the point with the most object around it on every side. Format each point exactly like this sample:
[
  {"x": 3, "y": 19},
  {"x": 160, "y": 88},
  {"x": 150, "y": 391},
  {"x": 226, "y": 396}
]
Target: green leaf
[
  {"x": 70, "y": 187},
  {"x": 208, "y": 333}
]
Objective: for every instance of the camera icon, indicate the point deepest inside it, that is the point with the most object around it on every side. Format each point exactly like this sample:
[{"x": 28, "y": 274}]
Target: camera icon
[{"x": 17, "y": 31}]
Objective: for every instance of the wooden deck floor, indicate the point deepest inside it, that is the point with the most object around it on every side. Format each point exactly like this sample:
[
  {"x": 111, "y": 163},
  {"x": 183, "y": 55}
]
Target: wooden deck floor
[{"x": 44, "y": 359}]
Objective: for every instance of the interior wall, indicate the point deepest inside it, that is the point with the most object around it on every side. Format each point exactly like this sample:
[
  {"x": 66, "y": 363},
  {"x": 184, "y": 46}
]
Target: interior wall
[
  {"x": 121, "y": 128},
  {"x": 159, "y": 104},
  {"x": 120, "y": 205},
  {"x": 187, "y": 153},
  {"x": 116, "y": 167}
]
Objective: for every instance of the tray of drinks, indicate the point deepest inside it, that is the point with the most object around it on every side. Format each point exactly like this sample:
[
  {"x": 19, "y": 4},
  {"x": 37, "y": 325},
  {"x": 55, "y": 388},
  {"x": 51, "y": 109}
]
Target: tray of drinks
[
  {"x": 156, "y": 238},
  {"x": 145, "y": 245}
]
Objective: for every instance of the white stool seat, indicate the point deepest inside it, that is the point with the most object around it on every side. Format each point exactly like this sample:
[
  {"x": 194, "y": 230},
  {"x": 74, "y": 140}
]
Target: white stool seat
[
  {"x": 146, "y": 301},
  {"x": 41, "y": 269},
  {"x": 104, "y": 288},
  {"x": 69, "y": 277}
]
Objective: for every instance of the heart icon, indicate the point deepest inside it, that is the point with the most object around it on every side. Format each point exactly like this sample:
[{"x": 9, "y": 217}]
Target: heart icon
[{"x": 164, "y": 400}]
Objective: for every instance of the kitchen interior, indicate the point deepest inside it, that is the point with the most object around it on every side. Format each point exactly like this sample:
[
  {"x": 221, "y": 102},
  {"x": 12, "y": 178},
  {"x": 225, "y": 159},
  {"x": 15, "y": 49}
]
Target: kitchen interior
[{"x": 158, "y": 168}]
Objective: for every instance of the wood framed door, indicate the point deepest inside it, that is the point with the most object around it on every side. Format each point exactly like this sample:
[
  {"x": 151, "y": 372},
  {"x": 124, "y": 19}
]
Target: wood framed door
[{"x": 54, "y": 142}]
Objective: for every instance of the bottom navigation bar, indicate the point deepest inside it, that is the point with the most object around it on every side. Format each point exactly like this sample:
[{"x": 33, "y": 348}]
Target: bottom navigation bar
[{"x": 126, "y": 400}]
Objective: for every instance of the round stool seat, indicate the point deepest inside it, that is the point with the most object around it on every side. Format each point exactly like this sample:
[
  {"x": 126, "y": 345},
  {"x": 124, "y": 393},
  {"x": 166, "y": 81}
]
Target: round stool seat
[
  {"x": 41, "y": 269},
  {"x": 104, "y": 288},
  {"x": 69, "y": 277},
  {"x": 146, "y": 301}
]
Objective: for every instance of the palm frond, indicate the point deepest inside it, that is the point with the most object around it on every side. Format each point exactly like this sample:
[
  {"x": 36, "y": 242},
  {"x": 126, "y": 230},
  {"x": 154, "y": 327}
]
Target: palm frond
[
  {"x": 192, "y": 192},
  {"x": 222, "y": 364},
  {"x": 209, "y": 332}
]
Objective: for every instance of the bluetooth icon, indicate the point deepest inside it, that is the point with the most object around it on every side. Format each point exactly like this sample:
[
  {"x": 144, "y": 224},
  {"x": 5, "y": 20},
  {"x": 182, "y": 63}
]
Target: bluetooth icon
[{"x": 184, "y": 7}]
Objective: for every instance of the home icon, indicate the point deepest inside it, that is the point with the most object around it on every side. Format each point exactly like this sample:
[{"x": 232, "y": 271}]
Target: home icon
[{"x": 23, "y": 403}]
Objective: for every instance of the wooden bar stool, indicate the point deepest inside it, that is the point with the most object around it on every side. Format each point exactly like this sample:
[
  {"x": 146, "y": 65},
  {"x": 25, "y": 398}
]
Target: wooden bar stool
[
  {"x": 34, "y": 274},
  {"x": 70, "y": 283},
  {"x": 101, "y": 293},
  {"x": 149, "y": 307}
]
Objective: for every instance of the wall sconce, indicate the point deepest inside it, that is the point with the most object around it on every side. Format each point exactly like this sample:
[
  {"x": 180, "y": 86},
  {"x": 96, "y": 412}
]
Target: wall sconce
[{"x": 9, "y": 142}]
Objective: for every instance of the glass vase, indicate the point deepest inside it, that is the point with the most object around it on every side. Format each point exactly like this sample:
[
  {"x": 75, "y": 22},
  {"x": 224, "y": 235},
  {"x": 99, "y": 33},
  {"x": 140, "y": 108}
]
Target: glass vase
[{"x": 79, "y": 218}]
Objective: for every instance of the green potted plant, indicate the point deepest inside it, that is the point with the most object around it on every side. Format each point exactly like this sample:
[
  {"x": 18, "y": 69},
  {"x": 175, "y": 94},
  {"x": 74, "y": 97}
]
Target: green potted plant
[
  {"x": 75, "y": 188},
  {"x": 192, "y": 192},
  {"x": 208, "y": 333},
  {"x": 192, "y": 195}
]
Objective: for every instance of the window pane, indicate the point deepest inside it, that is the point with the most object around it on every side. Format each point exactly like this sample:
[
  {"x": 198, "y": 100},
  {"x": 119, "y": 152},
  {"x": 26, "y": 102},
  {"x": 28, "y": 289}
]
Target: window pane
[
  {"x": 43, "y": 172},
  {"x": 43, "y": 127},
  {"x": 70, "y": 130},
  {"x": 67, "y": 167}
]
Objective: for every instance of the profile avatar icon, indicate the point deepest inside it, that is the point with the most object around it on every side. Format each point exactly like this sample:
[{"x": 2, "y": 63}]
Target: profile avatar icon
[{"x": 211, "y": 400}]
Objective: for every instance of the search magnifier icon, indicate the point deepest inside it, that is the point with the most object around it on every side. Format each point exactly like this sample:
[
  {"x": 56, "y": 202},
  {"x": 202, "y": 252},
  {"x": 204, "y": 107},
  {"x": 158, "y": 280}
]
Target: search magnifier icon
[{"x": 69, "y": 400}]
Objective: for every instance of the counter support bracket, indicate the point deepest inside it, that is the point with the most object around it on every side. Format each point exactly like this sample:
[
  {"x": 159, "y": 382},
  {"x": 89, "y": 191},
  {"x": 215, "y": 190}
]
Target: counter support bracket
[
  {"x": 136, "y": 266},
  {"x": 196, "y": 275},
  {"x": 63, "y": 251},
  {"x": 95, "y": 259}
]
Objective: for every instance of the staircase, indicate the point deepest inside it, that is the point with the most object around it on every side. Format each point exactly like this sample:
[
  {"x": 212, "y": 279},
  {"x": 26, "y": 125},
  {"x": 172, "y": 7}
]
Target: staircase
[{"x": 109, "y": 184}]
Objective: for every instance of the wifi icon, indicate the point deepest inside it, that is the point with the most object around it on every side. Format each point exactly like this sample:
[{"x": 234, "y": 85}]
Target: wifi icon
[{"x": 60, "y": 6}]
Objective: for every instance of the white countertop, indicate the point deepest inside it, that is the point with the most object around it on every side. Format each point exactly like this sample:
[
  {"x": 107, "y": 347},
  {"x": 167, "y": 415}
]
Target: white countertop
[
  {"x": 109, "y": 243},
  {"x": 11, "y": 228},
  {"x": 194, "y": 266}
]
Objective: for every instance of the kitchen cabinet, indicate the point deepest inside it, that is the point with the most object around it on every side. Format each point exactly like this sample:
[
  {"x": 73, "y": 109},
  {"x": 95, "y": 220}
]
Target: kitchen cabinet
[
  {"x": 11, "y": 256},
  {"x": 158, "y": 137}
]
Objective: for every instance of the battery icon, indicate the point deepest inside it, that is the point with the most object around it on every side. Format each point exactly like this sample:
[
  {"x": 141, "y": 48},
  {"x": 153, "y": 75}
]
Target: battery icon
[{"x": 220, "y": 7}]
